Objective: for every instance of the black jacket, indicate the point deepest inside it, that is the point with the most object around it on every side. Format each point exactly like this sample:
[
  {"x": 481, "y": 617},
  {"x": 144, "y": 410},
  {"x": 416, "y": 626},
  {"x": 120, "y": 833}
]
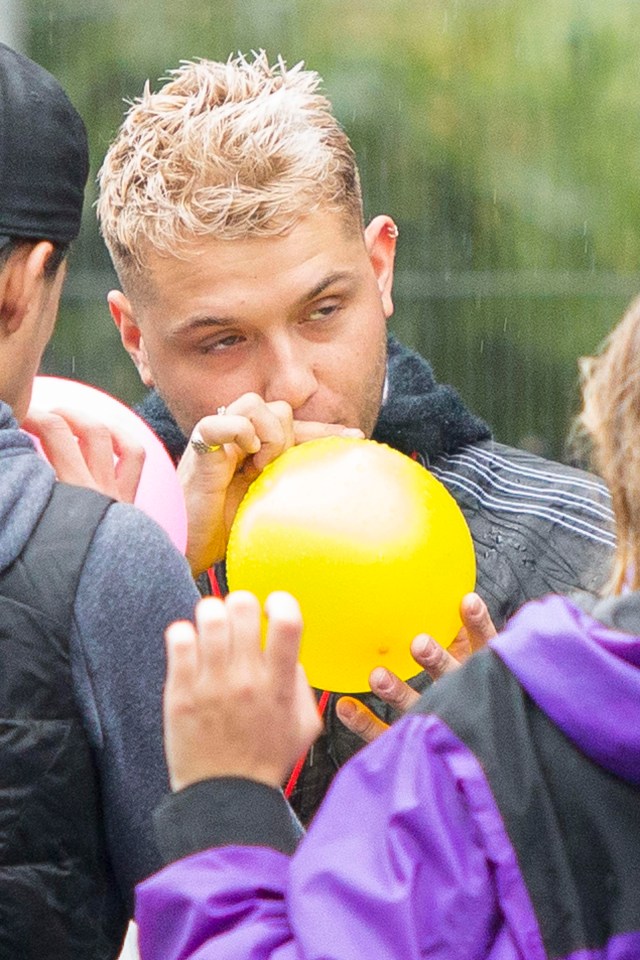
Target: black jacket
[
  {"x": 57, "y": 894},
  {"x": 537, "y": 526}
]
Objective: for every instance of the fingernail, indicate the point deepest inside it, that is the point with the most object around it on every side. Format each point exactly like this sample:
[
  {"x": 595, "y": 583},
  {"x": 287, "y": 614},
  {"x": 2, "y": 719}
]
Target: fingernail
[
  {"x": 421, "y": 645},
  {"x": 425, "y": 648},
  {"x": 283, "y": 604},
  {"x": 381, "y": 678},
  {"x": 474, "y": 604},
  {"x": 352, "y": 432},
  {"x": 347, "y": 709}
]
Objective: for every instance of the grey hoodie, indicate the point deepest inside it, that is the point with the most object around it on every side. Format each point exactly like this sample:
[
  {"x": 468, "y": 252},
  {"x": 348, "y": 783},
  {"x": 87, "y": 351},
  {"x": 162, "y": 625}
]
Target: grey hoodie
[{"x": 134, "y": 583}]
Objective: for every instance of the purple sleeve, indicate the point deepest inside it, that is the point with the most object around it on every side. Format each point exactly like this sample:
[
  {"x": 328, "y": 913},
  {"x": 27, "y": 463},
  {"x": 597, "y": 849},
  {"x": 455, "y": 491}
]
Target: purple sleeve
[{"x": 393, "y": 866}]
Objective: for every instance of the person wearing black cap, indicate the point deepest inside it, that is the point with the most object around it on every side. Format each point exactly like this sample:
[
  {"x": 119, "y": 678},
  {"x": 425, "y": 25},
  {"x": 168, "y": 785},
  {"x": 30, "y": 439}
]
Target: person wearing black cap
[{"x": 82, "y": 761}]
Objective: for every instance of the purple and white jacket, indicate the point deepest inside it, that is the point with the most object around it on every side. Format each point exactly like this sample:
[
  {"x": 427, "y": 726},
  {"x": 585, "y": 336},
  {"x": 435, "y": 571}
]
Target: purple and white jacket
[{"x": 500, "y": 820}]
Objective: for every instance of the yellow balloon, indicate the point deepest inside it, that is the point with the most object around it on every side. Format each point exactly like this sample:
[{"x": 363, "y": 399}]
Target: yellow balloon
[{"x": 372, "y": 546}]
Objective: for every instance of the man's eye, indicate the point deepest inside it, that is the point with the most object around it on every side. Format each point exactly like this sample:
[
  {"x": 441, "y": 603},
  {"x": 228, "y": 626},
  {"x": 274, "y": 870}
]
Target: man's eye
[
  {"x": 222, "y": 343},
  {"x": 323, "y": 313}
]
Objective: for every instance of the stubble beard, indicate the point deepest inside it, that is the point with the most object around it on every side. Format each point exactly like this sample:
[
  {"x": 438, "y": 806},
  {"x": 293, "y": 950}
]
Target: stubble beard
[{"x": 373, "y": 404}]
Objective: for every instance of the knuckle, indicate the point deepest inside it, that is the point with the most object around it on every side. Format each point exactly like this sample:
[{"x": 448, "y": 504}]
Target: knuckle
[
  {"x": 403, "y": 699},
  {"x": 363, "y": 726},
  {"x": 246, "y": 403},
  {"x": 180, "y": 705},
  {"x": 97, "y": 434},
  {"x": 244, "y": 695},
  {"x": 359, "y": 720},
  {"x": 51, "y": 422},
  {"x": 281, "y": 409},
  {"x": 366, "y": 723},
  {"x": 134, "y": 452}
]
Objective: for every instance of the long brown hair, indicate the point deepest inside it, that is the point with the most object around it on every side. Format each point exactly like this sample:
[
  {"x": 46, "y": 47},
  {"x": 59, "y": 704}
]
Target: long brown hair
[{"x": 611, "y": 417}]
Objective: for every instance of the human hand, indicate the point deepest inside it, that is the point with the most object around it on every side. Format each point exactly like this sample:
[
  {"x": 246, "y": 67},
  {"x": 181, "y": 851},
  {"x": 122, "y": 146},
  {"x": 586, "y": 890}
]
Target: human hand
[
  {"x": 476, "y": 631},
  {"x": 245, "y": 436},
  {"x": 232, "y": 708},
  {"x": 86, "y": 452}
]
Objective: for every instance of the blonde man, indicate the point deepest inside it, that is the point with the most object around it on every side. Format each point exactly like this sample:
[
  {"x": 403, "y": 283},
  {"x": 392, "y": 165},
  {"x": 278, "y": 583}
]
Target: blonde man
[
  {"x": 254, "y": 304},
  {"x": 499, "y": 821}
]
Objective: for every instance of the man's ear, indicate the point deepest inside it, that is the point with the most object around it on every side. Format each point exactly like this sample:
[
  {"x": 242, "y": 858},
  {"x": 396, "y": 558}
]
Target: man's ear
[
  {"x": 132, "y": 339},
  {"x": 380, "y": 241},
  {"x": 22, "y": 284}
]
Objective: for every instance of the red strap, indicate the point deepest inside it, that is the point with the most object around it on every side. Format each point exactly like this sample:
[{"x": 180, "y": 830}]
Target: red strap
[
  {"x": 297, "y": 770},
  {"x": 213, "y": 583}
]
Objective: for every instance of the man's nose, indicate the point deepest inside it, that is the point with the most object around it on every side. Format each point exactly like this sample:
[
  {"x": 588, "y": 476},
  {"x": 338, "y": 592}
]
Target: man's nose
[{"x": 289, "y": 375}]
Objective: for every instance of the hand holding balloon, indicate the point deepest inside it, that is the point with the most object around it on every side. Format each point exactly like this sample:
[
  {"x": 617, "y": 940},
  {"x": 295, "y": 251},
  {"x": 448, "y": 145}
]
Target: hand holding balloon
[
  {"x": 476, "y": 631},
  {"x": 225, "y": 453},
  {"x": 93, "y": 440},
  {"x": 372, "y": 546},
  {"x": 87, "y": 452}
]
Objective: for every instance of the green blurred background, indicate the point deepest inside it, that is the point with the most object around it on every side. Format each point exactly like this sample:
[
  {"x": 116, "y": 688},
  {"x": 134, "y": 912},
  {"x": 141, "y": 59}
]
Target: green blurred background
[{"x": 502, "y": 136}]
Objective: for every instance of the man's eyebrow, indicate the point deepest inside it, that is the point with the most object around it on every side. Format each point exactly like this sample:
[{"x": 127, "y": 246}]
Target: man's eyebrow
[
  {"x": 200, "y": 322},
  {"x": 328, "y": 281}
]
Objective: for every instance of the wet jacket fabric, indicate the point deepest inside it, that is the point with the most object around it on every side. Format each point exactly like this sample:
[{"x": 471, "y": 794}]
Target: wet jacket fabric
[
  {"x": 80, "y": 705},
  {"x": 537, "y": 526},
  {"x": 50, "y": 787},
  {"x": 498, "y": 821}
]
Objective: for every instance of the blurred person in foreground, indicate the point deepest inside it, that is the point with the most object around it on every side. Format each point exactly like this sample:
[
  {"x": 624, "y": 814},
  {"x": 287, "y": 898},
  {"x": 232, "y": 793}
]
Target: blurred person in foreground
[
  {"x": 499, "y": 819},
  {"x": 82, "y": 763},
  {"x": 254, "y": 304}
]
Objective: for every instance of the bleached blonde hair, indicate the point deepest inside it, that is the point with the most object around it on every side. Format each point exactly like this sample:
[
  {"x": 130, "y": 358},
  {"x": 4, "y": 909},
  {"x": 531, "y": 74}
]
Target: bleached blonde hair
[
  {"x": 611, "y": 417},
  {"x": 223, "y": 150}
]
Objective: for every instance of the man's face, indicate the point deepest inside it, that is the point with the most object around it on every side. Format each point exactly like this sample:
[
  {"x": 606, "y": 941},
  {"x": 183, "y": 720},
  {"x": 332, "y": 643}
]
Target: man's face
[{"x": 300, "y": 318}]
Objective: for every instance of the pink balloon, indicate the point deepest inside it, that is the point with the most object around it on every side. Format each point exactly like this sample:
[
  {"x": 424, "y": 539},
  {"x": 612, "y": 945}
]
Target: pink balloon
[{"x": 159, "y": 492}]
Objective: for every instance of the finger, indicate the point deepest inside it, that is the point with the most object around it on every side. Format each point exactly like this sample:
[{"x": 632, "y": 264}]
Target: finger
[
  {"x": 60, "y": 447},
  {"x": 313, "y": 724},
  {"x": 272, "y": 422},
  {"x": 88, "y": 451},
  {"x": 359, "y": 719},
  {"x": 477, "y": 621},
  {"x": 284, "y": 632},
  {"x": 284, "y": 417},
  {"x": 244, "y": 614},
  {"x": 304, "y": 430},
  {"x": 219, "y": 430},
  {"x": 460, "y": 647},
  {"x": 214, "y": 635},
  {"x": 182, "y": 663},
  {"x": 433, "y": 658},
  {"x": 96, "y": 443},
  {"x": 130, "y": 463},
  {"x": 392, "y": 689}
]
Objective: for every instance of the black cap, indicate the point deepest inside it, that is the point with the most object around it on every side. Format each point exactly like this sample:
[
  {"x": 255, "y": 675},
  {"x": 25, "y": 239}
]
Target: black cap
[{"x": 44, "y": 160}]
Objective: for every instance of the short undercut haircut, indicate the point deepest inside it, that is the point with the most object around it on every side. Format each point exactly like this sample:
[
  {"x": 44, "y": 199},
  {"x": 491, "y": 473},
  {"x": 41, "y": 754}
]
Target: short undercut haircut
[{"x": 224, "y": 151}]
